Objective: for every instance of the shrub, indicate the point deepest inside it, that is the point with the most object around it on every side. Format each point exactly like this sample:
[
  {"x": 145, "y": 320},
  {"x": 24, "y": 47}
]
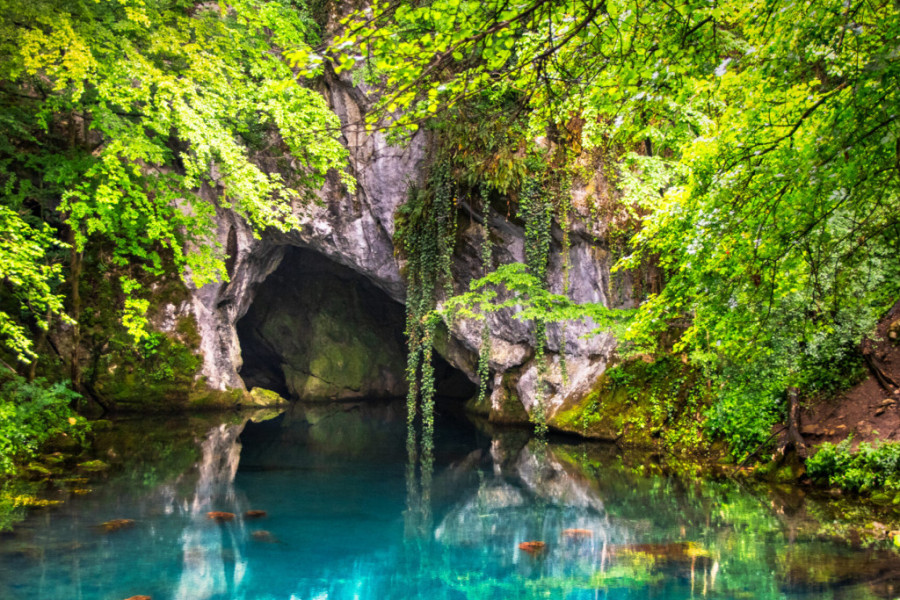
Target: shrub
[
  {"x": 871, "y": 468},
  {"x": 31, "y": 413}
]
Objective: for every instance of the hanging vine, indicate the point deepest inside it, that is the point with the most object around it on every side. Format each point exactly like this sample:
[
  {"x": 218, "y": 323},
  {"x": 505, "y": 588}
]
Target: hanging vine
[
  {"x": 426, "y": 229},
  {"x": 564, "y": 208},
  {"x": 536, "y": 210},
  {"x": 484, "y": 353}
]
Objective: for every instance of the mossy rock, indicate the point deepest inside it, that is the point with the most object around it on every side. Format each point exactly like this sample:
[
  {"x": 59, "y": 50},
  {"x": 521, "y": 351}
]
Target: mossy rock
[
  {"x": 882, "y": 498},
  {"x": 262, "y": 397},
  {"x": 34, "y": 469},
  {"x": 216, "y": 400},
  {"x": 54, "y": 458},
  {"x": 509, "y": 409},
  {"x": 604, "y": 413},
  {"x": 155, "y": 374},
  {"x": 639, "y": 404},
  {"x": 93, "y": 466},
  {"x": 480, "y": 407},
  {"x": 585, "y": 418}
]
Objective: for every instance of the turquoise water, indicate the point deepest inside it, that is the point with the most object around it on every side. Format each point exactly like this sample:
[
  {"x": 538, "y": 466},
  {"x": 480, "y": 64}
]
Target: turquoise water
[{"x": 348, "y": 518}]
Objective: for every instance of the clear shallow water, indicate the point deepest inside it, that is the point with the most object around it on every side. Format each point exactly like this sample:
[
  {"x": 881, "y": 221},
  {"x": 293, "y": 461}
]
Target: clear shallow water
[{"x": 347, "y": 518}]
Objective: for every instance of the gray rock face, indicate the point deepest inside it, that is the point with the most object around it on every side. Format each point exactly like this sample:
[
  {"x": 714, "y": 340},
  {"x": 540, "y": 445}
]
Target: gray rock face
[{"x": 356, "y": 229}]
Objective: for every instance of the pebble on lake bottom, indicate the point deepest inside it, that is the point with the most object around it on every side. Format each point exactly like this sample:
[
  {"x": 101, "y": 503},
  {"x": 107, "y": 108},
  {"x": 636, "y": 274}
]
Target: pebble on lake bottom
[
  {"x": 217, "y": 515},
  {"x": 532, "y": 547},
  {"x": 116, "y": 525}
]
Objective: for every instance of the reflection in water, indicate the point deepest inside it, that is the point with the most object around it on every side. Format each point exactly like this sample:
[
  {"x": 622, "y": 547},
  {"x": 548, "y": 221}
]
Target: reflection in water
[
  {"x": 213, "y": 562},
  {"x": 350, "y": 515},
  {"x": 419, "y": 473}
]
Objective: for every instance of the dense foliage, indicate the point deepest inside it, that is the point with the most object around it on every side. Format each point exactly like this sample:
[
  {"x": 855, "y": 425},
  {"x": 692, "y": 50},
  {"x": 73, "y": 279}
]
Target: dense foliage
[
  {"x": 759, "y": 143},
  {"x": 870, "y": 469},
  {"x": 31, "y": 413},
  {"x": 117, "y": 113}
]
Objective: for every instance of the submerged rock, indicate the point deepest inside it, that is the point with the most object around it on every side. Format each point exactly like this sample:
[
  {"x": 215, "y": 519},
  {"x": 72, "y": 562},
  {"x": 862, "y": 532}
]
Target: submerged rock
[
  {"x": 255, "y": 514},
  {"x": 533, "y": 547},
  {"x": 264, "y": 536},
  {"x": 577, "y": 533},
  {"x": 116, "y": 525},
  {"x": 220, "y": 516},
  {"x": 37, "y": 470},
  {"x": 93, "y": 465}
]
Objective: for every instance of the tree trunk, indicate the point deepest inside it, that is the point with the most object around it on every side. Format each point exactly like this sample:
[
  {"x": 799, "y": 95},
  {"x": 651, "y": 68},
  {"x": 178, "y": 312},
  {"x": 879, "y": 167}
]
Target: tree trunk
[
  {"x": 883, "y": 379},
  {"x": 75, "y": 264},
  {"x": 794, "y": 436}
]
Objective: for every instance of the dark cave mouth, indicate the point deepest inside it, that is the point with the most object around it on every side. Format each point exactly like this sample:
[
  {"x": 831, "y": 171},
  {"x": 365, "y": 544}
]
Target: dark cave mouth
[{"x": 319, "y": 331}]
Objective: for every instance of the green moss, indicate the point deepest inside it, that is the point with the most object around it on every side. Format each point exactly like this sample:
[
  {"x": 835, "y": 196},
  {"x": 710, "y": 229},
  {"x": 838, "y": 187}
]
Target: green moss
[
  {"x": 93, "y": 465},
  {"x": 215, "y": 400},
  {"x": 590, "y": 417},
  {"x": 38, "y": 470},
  {"x": 481, "y": 408},
  {"x": 640, "y": 404},
  {"x": 157, "y": 373},
  {"x": 262, "y": 397}
]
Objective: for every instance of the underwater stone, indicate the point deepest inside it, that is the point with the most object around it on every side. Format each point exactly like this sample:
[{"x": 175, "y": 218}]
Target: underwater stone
[
  {"x": 116, "y": 525},
  {"x": 533, "y": 547},
  {"x": 220, "y": 516}
]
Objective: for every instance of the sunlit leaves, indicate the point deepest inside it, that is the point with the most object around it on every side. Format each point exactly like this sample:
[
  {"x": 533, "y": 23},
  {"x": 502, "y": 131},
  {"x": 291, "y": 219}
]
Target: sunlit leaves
[
  {"x": 513, "y": 286},
  {"x": 31, "y": 279},
  {"x": 139, "y": 106}
]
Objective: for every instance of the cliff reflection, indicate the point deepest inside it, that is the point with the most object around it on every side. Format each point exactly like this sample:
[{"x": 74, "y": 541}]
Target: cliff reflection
[{"x": 212, "y": 549}]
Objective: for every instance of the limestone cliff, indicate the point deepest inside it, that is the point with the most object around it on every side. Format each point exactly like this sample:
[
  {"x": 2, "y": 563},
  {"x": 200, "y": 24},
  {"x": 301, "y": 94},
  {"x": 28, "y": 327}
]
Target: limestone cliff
[{"x": 355, "y": 230}]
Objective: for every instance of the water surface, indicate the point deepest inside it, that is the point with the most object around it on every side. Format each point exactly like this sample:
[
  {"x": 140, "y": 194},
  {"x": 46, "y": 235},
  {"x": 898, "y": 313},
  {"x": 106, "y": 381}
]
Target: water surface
[{"x": 348, "y": 516}]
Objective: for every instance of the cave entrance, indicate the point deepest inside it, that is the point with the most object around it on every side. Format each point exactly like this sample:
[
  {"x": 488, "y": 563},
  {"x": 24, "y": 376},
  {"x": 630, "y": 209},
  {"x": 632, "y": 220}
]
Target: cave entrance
[{"x": 317, "y": 330}]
